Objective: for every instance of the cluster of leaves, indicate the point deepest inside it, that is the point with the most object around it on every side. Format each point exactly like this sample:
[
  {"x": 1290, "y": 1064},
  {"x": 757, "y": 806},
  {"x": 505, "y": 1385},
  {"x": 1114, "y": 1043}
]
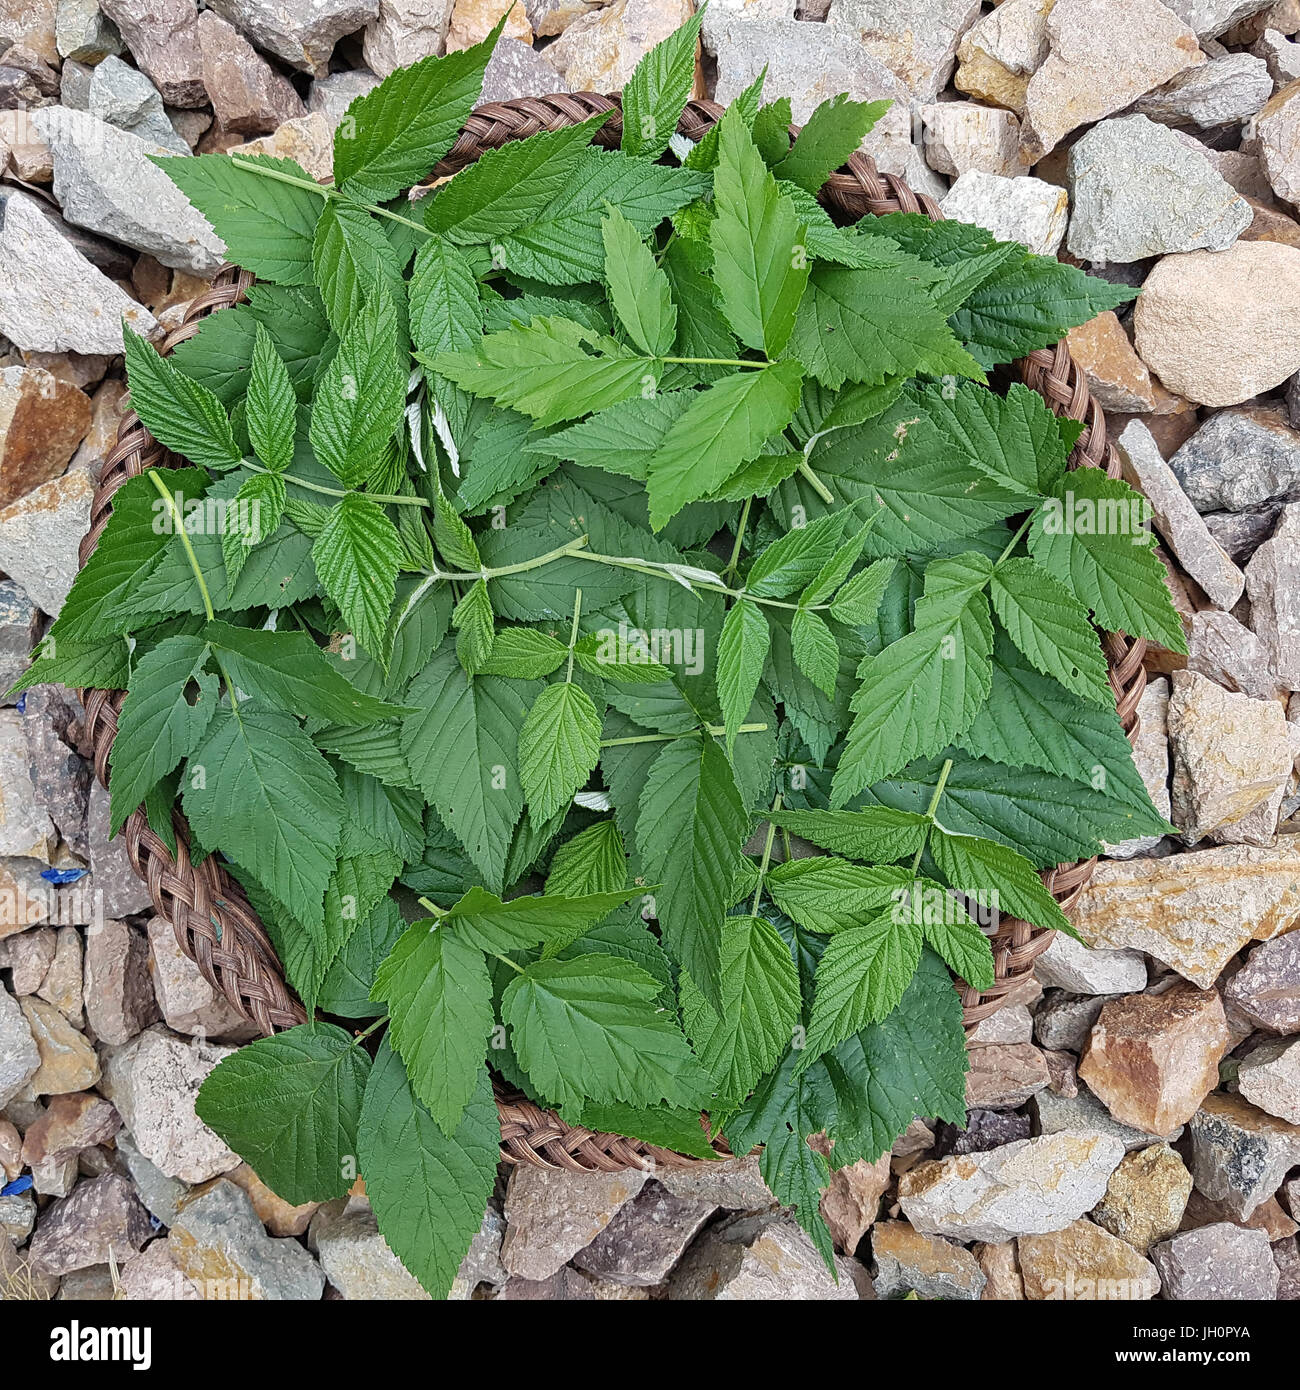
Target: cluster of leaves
[{"x": 547, "y": 552}]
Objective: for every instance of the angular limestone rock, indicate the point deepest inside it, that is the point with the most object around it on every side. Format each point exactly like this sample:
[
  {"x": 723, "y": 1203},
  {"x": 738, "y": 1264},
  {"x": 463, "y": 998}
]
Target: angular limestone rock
[
  {"x": 550, "y": 1215},
  {"x": 930, "y": 1266},
  {"x": 1084, "y": 1262},
  {"x": 1027, "y": 210},
  {"x": 1146, "y": 1197},
  {"x": 1240, "y": 1154},
  {"x": 915, "y": 39},
  {"x": 1216, "y": 1263}
]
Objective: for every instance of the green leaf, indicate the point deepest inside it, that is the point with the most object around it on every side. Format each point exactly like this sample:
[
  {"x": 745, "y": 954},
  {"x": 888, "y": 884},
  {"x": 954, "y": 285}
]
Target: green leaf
[
  {"x": 815, "y": 650},
  {"x": 559, "y": 745},
  {"x": 690, "y": 827},
  {"x": 259, "y": 788},
  {"x": 951, "y": 932},
  {"x": 544, "y": 370},
  {"x": 771, "y": 130},
  {"x": 858, "y": 601},
  {"x": 1091, "y": 534},
  {"x": 354, "y": 262},
  {"x": 267, "y": 225},
  {"x": 1051, "y": 627},
  {"x": 161, "y": 721},
  {"x": 868, "y": 325},
  {"x": 996, "y": 877},
  {"x": 620, "y": 439},
  {"x": 439, "y": 998},
  {"x": 722, "y": 429},
  {"x": 828, "y": 895},
  {"x": 742, "y": 650},
  {"x": 592, "y": 1028},
  {"x": 462, "y": 748},
  {"x": 795, "y": 559},
  {"x": 429, "y": 1191},
  {"x": 638, "y": 289},
  {"x": 178, "y": 412},
  {"x": 761, "y": 1008},
  {"x": 503, "y": 188},
  {"x": 395, "y": 134},
  {"x": 760, "y": 264},
  {"x": 603, "y": 654},
  {"x": 289, "y": 1106},
  {"x": 833, "y": 132},
  {"x": 916, "y": 696},
  {"x": 878, "y": 833},
  {"x": 593, "y": 861},
  {"x": 356, "y": 555},
  {"x": 359, "y": 402},
  {"x": 472, "y": 619},
  {"x": 445, "y": 312},
  {"x": 347, "y": 985},
  {"x": 658, "y": 90},
  {"x": 255, "y": 517},
  {"x": 288, "y": 669},
  {"x": 94, "y": 665},
  {"x": 679, "y": 1131},
  {"x": 1013, "y": 439},
  {"x": 272, "y": 404},
  {"x": 483, "y": 920}
]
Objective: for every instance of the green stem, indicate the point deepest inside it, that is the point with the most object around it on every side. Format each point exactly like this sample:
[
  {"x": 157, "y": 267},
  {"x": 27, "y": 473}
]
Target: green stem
[
  {"x": 740, "y": 536},
  {"x": 573, "y": 634},
  {"x": 930, "y": 810},
  {"x": 505, "y": 960},
  {"x": 326, "y": 191},
  {"x": 715, "y": 586},
  {"x": 715, "y": 729},
  {"x": 433, "y": 907},
  {"x": 1011, "y": 544},
  {"x": 816, "y": 484},
  {"x": 767, "y": 858},
  {"x": 716, "y": 362},
  {"x": 255, "y": 467},
  {"x": 365, "y": 1033}
]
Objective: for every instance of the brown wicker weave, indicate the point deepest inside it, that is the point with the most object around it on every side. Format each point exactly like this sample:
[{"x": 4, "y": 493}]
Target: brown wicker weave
[{"x": 213, "y": 921}]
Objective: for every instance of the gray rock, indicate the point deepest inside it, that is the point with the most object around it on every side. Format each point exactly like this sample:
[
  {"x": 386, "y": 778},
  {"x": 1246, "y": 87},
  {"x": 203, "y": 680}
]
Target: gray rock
[
  {"x": 124, "y": 97},
  {"x": 1267, "y": 988},
  {"x": 25, "y": 829},
  {"x": 100, "y": 1218},
  {"x": 161, "y": 1195},
  {"x": 303, "y": 35},
  {"x": 933, "y": 1268},
  {"x": 105, "y": 182},
  {"x": 61, "y": 778},
  {"x": 19, "y": 1058},
  {"x": 119, "y": 997},
  {"x": 1060, "y": 1114},
  {"x": 645, "y": 1239},
  {"x": 125, "y": 892},
  {"x": 1240, "y": 1154},
  {"x": 28, "y": 956},
  {"x": 1216, "y": 1262},
  {"x": 564, "y": 1286},
  {"x": 1210, "y": 18},
  {"x": 482, "y": 1262},
  {"x": 163, "y": 38},
  {"x": 1218, "y": 646},
  {"x": 84, "y": 33},
  {"x": 779, "y": 1264},
  {"x": 1227, "y": 89},
  {"x": 1280, "y": 55},
  {"x": 552, "y": 1215},
  {"x": 1026, "y": 209},
  {"x": 153, "y": 1082},
  {"x": 1138, "y": 191},
  {"x": 218, "y": 1230},
  {"x": 1013, "y": 1023},
  {"x": 74, "y": 85},
  {"x": 17, "y": 1216},
  {"x": 735, "y": 1184},
  {"x": 406, "y": 30},
  {"x": 1063, "y": 1021},
  {"x": 1270, "y": 1079},
  {"x": 1286, "y": 1255},
  {"x": 153, "y": 1274},
  {"x": 20, "y": 621},
  {"x": 517, "y": 70},
  {"x": 1070, "y": 965},
  {"x": 1151, "y": 758},
  {"x": 1240, "y": 460},
  {"x": 1273, "y": 583},
  {"x": 333, "y": 94},
  {"x": 356, "y": 1259},
  {"x": 1240, "y": 534},
  {"x": 916, "y": 39},
  {"x": 985, "y": 1129}
]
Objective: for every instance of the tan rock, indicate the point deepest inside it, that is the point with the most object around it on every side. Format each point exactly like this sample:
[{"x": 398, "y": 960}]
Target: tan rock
[
  {"x": 247, "y": 94},
  {"x": 1103, "y": 55},
  {"x": 598, "y": 52},
  {"x": 1153, "y": 1058},
  {"x": 1268, "y": 1217},
  {"x": 1270, "y": 1079},
  {"x": 851, "y": 1202},
  {"x": 107, "y": 407},
  {"x": 985, "y": 78},
  {"x": 11, "y": 1147},
  {"x": 1146, "y": 1197},
  {"x": 961, "y": 135},
  {"x": 1221, "y": 326},
  {"x": 1002, "y": 50},
  {"x": 1193, "y": 911},
  {"x": 552, "y": 1215},
  {"x": 1004, "y": 1075},
  {"x": 70, "y": 1124},
  {"x": 1277, "y": 129},
  {"x": 279, "y": 1217},
  {"x": 915, "y": 39},
  {"x": 68, "y": 1062},
  {"x": 28, "y": 956},
  {"x": 1003, "y": 1283},
  {"x": 1084, "y": 1262},
  {"x": 403, "y": 32},
  {"x": 62, "y": 983},
  {"x": 1268, "y": 224},
  {"x": 473, "y": 20},
  {"x": 308, "y": 139},
  {"x": 42, "y": 420},
  {"x": 1151, "y": 758},
  {"x": 189, "y": 1003},
  {"x": 907, "y": 1261},
  {"x": 1231, "y": 655},
  {"x": 29, "y": 152},
  {"x": 1232, "y": 757},
  {"x": 119, "y": 997},
  {"x": 1115, "y": 374}
]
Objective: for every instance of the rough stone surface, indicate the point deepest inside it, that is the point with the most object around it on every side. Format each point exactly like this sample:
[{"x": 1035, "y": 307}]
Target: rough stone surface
[
  {"x": 780, "y": 1265},
  {"x": 303, "y": 35},
  {"x": 154, "y": 1274},
  {"x": 1116, "y": 375},
  {"x": 1175, "y": 518},
  {"x": 247, "y": 94},
  {"x": 1266, "y": 990},
  {"x": 307, "y": 139},
  {"x": 188, "y": 1002},
  {"x": 219, "y": 1244},
  {"x": 1228, "y": 88},
  {"x": 1232, "y": 656},
  {"x": 518, "y": 70},
  {"x": 915, "y": 39},
  {"x": 1025, "y": 1188},
  {"x": 907, "y": 1261},
  {"x": 1277, "y": 131},
  {"x": 1210, "y": 18},
  {"x": 1232, "y": 761},
  {"x": 1281, "y": 56},
  {"x": 1004, "y": 1075},
  {"x": 1153, "y": 1058},
  {"x": 473, "y": 20},
  {"x": 119, "y": 997},
  {"x": 160, "y": 1194},
  {"x": 734, "y": 1184},
  {"x": 404, "y": 31},
  {"x": 19, "y": 1058},
  {"x": 25, "y": 828},
  {"x": 1064, "y": 1021},
  {"x": 1146, "y": 1197},
  {"x": 1216, "y": 1263},
  {"x": 1103, "y": 55},
  {"x": 1002, "y": 50},
  {"x": 154, "y": 1081},
  {"x": 1083, "y": 1262},
  {"x": 984, "y": 1129},
  {"x": 1273, "y": 583},
  {"x": 482, "y": 1262},
  {"x": 1068, "y": 964},
  {"x": 333, "y": 94},
  {"x": 1221, "y": 327},
  {"x": 68, "y": 1062},
  {"x": 83, "y": 32},
  {"x": 100, "y": 1218},
  {"x": 70, "y": 1124},
  {"x": 1151, "y": 758},
  {"x": 1270, "y": 1079},
  {"x": 125, "y": 892},
  {"x": 163, "y": 38},
  {"x": 356, "y": 1259},
  {"x": 599, "y": 51},
  {"x": 1240, "y": 460},
  {"x": 124, "y": 97},
  {"x": 42, "y": 420},
  {"x": 39, "y": 536},
  {"x": 1136, "y": 190},
  {"x": 962, "y": 135},
  {"x": 1013, "y": 209},
  {"x": 550, "y": 1216},
  {"x": 279, "y": 1217},
  {"x": 851, "y": 1202},
  {"x": 1059, "y": 1113},
  {"x": 645, "y": 1239},
  {"x": 1013, "y": 1023},
  {"x": 1240, "y": 1154}
]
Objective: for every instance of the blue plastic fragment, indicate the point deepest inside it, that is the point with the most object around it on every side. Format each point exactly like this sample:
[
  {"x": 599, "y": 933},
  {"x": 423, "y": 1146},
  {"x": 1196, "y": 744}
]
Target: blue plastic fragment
[
  {"x": 18, "y": 1185},
  {"x": 61, "y": 876},
  {"x": 20, "y": 704}
]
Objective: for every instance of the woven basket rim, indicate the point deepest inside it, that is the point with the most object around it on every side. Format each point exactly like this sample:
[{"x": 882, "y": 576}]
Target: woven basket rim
[{"x": 212, "y": 919}]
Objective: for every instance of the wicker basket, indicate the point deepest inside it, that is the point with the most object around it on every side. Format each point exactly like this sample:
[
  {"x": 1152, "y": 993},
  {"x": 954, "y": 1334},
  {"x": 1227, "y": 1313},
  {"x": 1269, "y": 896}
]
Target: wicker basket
[{"x": 213, "y": 921}]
